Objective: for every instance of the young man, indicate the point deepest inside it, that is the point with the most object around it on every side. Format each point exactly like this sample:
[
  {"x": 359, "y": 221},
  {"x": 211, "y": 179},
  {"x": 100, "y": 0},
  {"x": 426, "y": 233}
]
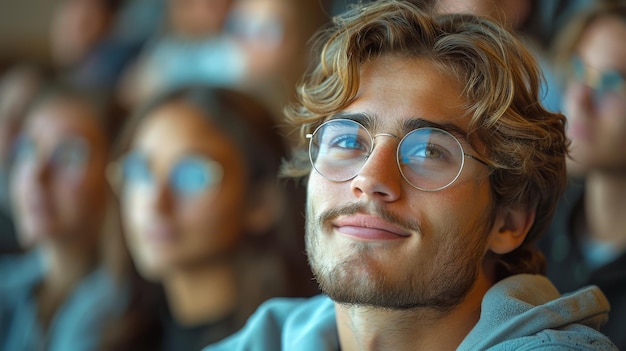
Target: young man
[{"x": 434, "y": 169}]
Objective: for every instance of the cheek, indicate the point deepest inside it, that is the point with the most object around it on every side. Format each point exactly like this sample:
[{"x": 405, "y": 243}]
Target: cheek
[
  {"x": 320, "y": 189},
  {"x": 134, "y": 211},
  {"x": 576, "y": 102},
  {"x": 81, "y": 197},
  {"x": 213, "y": 220},
  {"x": 19, "y": 186},
  {"x": 613, "y": 109}
]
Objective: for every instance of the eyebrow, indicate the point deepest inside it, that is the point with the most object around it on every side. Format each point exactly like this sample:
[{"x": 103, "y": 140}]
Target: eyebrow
[
  {"x": 369, "y": 122},
  {"x": 416, "y": 123},
  {"x": 362, "y": 118}
]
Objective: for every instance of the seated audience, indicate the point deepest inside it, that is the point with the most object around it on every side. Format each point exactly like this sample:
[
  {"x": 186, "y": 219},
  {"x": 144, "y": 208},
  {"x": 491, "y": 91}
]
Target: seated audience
[
  {"x": 64, "y": 289},
  {"x": 90, "y": 43}
]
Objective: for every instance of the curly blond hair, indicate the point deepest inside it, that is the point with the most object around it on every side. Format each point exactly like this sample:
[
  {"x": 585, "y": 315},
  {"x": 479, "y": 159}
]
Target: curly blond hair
[{"x": 524, "y": 144}]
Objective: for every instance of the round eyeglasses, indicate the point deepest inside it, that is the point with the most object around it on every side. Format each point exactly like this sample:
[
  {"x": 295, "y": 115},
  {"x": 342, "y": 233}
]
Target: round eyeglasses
[
  {"x": 190, "y": 175},
  {"x": 601, "y": 81},
  {"x": 429, "y": 159}
]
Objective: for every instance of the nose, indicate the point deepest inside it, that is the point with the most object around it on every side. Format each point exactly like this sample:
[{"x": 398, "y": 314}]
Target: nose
[
  {"x": 584, "y": 96},
  {"x": 163, "y": 198},
  {"x": 380, "y": 177},
  {"x": 41, "y": 171},
  {"x": 580, "y": 99}
]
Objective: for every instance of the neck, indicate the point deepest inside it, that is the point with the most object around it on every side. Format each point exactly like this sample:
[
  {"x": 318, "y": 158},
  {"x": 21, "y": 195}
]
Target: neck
[
  {"x": 370, "y": 328},
  {"x": 66, "y": 265},
  {"x": 605, "y": 203},
  {"x": 201, "y": 294}
]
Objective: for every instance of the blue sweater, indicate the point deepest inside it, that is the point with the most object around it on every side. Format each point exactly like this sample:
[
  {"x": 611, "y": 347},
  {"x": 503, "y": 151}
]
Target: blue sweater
[
  {"x": 522, "y": 312},
  {"x": 78, "y": 323}
]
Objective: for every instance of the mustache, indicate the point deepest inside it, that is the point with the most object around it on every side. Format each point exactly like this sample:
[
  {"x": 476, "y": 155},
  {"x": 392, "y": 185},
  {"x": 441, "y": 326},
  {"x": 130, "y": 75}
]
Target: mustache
[{"x": 374, "y": 209}]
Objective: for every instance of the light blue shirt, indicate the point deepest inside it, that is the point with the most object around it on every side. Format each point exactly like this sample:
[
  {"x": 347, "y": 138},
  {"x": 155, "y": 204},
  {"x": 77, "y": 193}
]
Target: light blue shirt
[
  {"x": 78, "y": 323},
  {"x": 522, "y": 312}
]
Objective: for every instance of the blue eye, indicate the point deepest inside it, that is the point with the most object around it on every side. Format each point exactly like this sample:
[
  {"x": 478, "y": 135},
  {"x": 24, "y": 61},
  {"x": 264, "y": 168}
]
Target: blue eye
[
  {"x": 192, "y": 175},
  {"x": 135, "y": 169},
  {"x": 348, "y": 141}
]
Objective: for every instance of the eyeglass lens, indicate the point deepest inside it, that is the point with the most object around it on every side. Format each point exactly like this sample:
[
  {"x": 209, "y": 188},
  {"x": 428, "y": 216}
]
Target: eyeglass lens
[
  {"x": 601, "y": 81},
  {"x": 190, "y": 175},
  {"x": 71, "y": 155},
  {"x": 429, "y": 158}
]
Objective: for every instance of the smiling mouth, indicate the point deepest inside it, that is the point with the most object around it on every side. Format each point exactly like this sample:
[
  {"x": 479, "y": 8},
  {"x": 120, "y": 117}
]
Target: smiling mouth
[
  {"x": 367, "y": 227},
  {"x": 364, "y": 233}
]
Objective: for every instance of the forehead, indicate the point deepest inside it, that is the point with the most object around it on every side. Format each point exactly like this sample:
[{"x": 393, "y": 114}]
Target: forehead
[
  {"x": 602, "y": 44},
  {"x": 177, "y": 129},
  {"x": 54, "y": 120},
  {"x": 394, "y": 90}
]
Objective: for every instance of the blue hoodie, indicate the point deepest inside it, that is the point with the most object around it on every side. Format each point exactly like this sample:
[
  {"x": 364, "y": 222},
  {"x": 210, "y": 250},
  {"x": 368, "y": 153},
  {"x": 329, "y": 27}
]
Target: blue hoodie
[{"x": 522, "y": 312}]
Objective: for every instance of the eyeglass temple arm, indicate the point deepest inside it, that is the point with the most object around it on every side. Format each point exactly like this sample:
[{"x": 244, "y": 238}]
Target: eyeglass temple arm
[{"x": 477, "y": 159}]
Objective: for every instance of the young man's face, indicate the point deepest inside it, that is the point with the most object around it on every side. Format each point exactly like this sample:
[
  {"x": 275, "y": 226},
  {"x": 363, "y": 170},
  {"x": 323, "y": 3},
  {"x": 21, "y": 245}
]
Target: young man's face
[{"x": 375, "y": 239}]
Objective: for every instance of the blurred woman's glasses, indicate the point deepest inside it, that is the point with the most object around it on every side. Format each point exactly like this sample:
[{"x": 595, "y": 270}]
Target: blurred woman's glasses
[
  {"x": 189, "y": 176},
  {"x": 604, "y": 83},
  {"x": 68, "y": 157}
]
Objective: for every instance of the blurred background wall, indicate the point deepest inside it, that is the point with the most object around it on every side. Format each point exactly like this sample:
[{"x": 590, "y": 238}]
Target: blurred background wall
[{"x": 24, "y": 28}]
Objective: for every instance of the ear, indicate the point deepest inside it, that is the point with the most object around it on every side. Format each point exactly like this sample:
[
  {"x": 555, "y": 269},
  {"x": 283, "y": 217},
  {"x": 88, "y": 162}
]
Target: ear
[
  {"x": 510, "y": 229},
  {"x": 265, "y": 206}
]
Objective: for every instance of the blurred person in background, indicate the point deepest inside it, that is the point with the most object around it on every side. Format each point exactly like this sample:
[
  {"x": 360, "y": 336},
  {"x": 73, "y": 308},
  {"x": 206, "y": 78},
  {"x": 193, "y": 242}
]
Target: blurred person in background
[
  {"x": 91, "y": 41},
  {"x": 523, "y": 17},
  {"x": 259, "y": 46},
  {"x": 189, "y": 48},
  {"x": 18, "y": 86},
  {"x": 586, "y": 243},
  {"x": 273, "y": 36},
  {"x": 63, "y": 290},
  {"x": 204, "y": 218}
]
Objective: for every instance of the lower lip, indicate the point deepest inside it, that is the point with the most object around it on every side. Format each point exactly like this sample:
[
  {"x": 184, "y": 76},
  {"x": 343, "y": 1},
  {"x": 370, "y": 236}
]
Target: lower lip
[
  {"x": 161, "y": 236},
  {"x": 370, "y": 234}
]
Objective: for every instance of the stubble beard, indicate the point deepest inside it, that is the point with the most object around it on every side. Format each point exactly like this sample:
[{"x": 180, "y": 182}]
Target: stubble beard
[{"x": 441, "y": 286}]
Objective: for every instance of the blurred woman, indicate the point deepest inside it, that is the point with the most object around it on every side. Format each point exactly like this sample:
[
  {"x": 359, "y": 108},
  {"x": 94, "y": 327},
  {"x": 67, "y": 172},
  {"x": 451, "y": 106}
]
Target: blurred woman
[
  {"x": 586, "y": 243},
  {"x": 60, "y": 294},
  {"x": 203, "y": 216}
]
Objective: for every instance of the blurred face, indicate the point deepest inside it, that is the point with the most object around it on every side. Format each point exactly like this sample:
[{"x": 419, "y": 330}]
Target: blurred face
[
  {"x": 183, "y": 193},
  {"x": 76, "y": 27},
  {"x": 198, "y": 18},
  {"x": 58, "y": 180},
  {"x": 376, "y": 240},
  {"x": 266, "y": 31},
  {"x": 595, "y": 98}
]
